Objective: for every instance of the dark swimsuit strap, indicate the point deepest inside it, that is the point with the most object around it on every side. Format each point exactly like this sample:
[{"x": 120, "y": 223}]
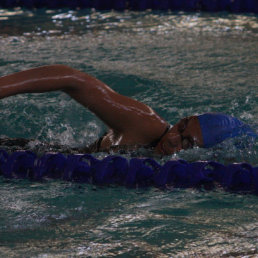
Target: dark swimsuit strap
[{"x": 99, "y": 141}]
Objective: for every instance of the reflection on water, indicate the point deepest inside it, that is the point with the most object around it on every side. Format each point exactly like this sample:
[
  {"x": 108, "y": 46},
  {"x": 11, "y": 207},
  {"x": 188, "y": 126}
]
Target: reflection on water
[{"x": 180, "y": 64}]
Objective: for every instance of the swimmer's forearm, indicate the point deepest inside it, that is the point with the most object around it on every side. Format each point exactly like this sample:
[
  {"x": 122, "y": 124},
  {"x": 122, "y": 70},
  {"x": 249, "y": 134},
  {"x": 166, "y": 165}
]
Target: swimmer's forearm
[{"x": 38, "y": 80}]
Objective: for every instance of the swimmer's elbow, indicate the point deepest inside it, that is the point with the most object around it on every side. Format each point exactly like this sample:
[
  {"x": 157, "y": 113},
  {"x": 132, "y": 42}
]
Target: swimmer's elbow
[
  {"x": 76, "y": 80},
  {"x": 70, "y": 78}
]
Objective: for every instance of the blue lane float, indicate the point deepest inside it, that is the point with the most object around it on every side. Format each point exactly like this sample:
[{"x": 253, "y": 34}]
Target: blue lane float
[
  {"x": 174, "y": 5},
  {"x": 136, "y": 172}
]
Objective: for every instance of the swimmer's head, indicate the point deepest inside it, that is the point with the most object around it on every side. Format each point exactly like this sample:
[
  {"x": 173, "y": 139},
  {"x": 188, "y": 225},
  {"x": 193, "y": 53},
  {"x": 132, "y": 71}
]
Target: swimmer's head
[
  {"x": 183, "y": 135},
  {"x": 204, "y": 130}
]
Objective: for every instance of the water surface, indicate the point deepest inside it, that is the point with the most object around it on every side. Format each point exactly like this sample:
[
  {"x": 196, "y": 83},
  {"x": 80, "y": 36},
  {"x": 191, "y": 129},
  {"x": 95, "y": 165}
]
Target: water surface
[{"x": 180, "y": 64}]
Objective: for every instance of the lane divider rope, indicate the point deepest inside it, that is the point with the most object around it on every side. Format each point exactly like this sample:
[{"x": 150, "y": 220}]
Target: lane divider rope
[
  {"x": 135, "y": 172},
  {"x": 174, "y": 5}
]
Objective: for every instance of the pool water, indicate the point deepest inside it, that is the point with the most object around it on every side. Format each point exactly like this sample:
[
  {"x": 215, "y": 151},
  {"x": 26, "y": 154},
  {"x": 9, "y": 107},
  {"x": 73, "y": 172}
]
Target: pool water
[{"x": 180, "y": 64}]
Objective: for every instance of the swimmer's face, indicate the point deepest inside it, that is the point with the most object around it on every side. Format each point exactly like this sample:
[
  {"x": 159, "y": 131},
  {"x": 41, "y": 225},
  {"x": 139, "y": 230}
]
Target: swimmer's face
[{"x": 183, "y": 135}]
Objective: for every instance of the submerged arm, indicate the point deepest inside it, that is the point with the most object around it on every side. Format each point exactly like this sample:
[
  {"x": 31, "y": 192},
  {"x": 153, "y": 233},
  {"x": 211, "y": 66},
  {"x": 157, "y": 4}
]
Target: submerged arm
[{"x": 122, "y": 114}]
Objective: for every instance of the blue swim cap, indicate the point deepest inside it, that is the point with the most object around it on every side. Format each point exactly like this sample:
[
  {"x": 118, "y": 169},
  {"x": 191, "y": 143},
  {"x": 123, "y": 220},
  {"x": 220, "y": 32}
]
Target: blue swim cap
[{"x": 216, "y": 127}]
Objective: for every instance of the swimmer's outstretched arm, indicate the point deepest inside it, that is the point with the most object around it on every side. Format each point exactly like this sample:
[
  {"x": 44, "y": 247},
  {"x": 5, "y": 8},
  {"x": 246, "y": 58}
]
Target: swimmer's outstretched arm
[{"x": 124, "y": 115}]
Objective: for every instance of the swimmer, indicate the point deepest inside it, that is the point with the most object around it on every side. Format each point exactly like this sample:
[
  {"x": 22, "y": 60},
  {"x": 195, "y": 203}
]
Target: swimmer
[{"x": 131, "y": 123}]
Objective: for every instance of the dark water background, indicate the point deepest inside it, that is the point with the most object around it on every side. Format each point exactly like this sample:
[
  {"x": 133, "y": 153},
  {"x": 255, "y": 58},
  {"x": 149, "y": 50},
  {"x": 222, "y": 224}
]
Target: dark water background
[{"x": 180, "y": 64}]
